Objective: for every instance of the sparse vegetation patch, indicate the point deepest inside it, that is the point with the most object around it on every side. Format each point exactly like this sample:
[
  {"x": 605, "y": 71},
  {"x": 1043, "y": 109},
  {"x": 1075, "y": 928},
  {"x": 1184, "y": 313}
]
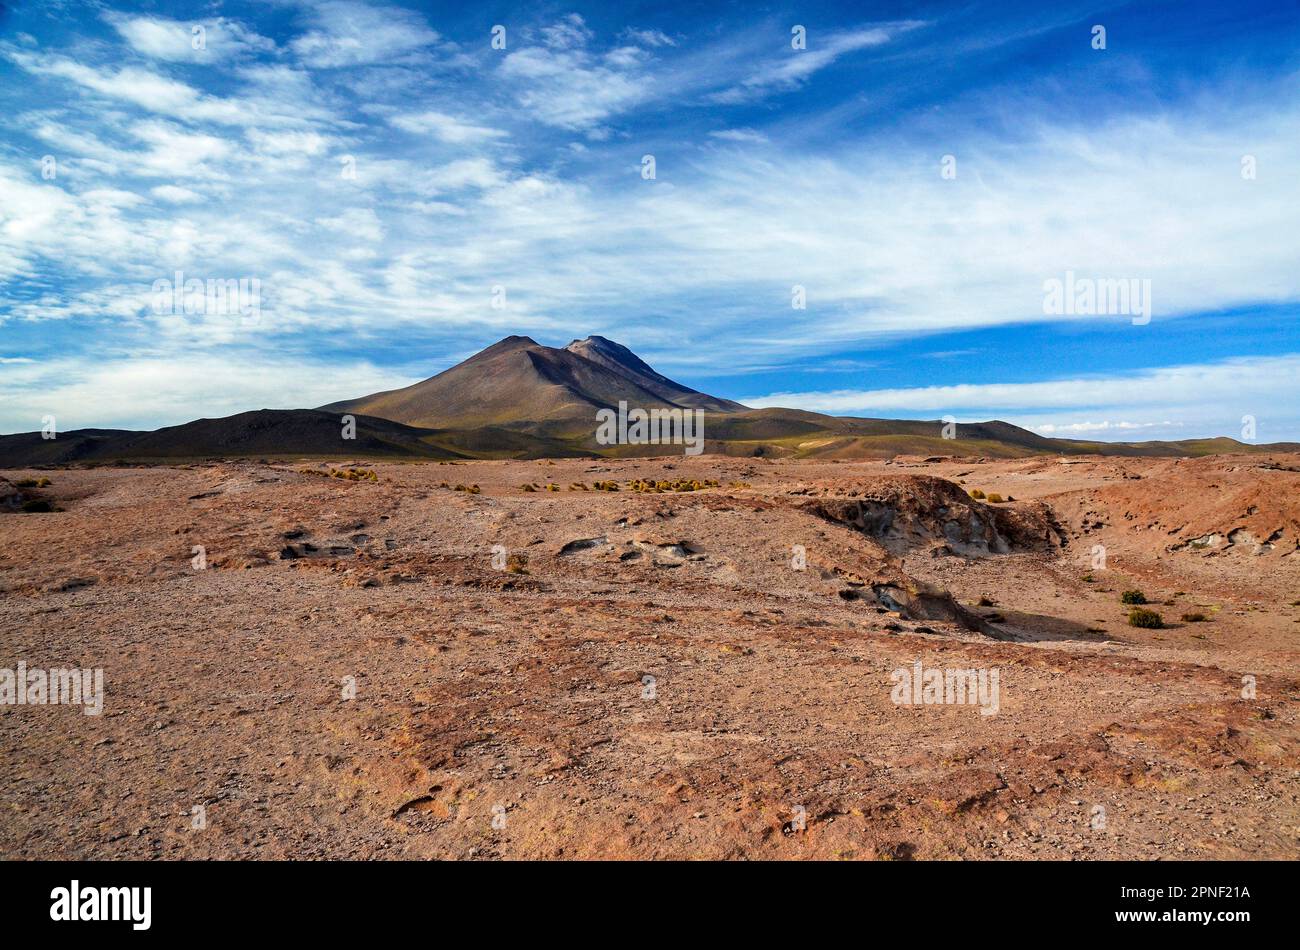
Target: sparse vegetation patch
[{"x": 1142, "y": 617}]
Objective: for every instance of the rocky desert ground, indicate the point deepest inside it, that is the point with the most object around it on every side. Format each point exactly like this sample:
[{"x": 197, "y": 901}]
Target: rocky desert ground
[{"x": 461, "y": 661}]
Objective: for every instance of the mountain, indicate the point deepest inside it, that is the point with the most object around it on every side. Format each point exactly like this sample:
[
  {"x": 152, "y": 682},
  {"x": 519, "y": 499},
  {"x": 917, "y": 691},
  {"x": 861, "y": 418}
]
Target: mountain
[
  {"x": 520, "y": 384},
  {"x": 618, "y": 359},
  {"x": 519, "y": 399}
]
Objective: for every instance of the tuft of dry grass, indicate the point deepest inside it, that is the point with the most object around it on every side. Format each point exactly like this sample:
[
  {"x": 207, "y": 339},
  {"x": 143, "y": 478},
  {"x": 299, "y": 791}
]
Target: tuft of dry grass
[
  {"x": 1141, "y": 617},
  {"x": 652, "y": 486},
  {"x": 345, "y": 474}
]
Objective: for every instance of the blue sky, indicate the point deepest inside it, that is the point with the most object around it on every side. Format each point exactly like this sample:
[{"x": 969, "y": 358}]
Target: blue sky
[{"x": 386, "y": 176}]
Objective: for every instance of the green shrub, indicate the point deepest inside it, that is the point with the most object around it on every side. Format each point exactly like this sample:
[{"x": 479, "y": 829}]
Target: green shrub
[
  {"x": 1132, "y": 597},
  {"x": 1141, "y": 617}
]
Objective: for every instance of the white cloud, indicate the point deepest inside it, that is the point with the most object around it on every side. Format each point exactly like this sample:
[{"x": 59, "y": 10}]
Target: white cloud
[
  {"x": 287, "y": 142},
  {"x": 176, "y": 40},
  {"x": 151, "y": 391},
  {"x": 176, "y": 152},
  {"x": 446, "y": 128},
  {"x": 359, "y": 223},
  {"x": 347, "y": 33},
  {"x": 147, "y": 89},
  {"x": 1197, "y": 400},
  {"x": 740, "y": 135},
  {"x": 566, "y": 85},
  {"x": 792, "y": 67},
  {"x": 649, "y": 37},
  {"x": 567, "y": 33},
  {"x": 1127, "y": 429},
  {"x": 143, "y": 87},
  {"x": 175, "y": 195}
]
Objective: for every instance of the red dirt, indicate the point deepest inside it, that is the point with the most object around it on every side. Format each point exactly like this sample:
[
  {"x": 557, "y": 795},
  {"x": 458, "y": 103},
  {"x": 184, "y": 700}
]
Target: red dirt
[{"x": 506, "y": 713}]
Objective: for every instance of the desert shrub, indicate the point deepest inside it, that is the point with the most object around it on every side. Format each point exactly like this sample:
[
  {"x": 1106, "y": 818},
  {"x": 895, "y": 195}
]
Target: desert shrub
[
  {"x": 1141, "y": 617},
  {"x": 347, "y": 474},
  {"x": 1132, "y": 597},
  {"x": 1195, "y": 617},
  {"x": 976, "y": 493},
  {"x": 653, "y": 486},
  {"x": 25, "y": 483},
  {"x": 37, "y": 505},
  {"x": 606, "y": 486},
  {"x": 986, "y": 602},
  {"x": 551, "y": 486},
  {"x": 527, "y": 488},
  {"x": 1088, "y": 578},
  {"x": 994, "y": 498}
]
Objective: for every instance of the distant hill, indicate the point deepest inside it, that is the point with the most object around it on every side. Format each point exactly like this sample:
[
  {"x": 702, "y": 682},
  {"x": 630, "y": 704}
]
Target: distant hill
[
  {"x": 264, "y": 432},
  {"x": 519, "y": 399}
]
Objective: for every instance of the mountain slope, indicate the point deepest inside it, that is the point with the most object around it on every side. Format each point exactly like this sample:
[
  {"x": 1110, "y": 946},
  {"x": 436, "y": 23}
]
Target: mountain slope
[
  {"x": 619, "y": 359},
  {"x": 262, "y": 432}
]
